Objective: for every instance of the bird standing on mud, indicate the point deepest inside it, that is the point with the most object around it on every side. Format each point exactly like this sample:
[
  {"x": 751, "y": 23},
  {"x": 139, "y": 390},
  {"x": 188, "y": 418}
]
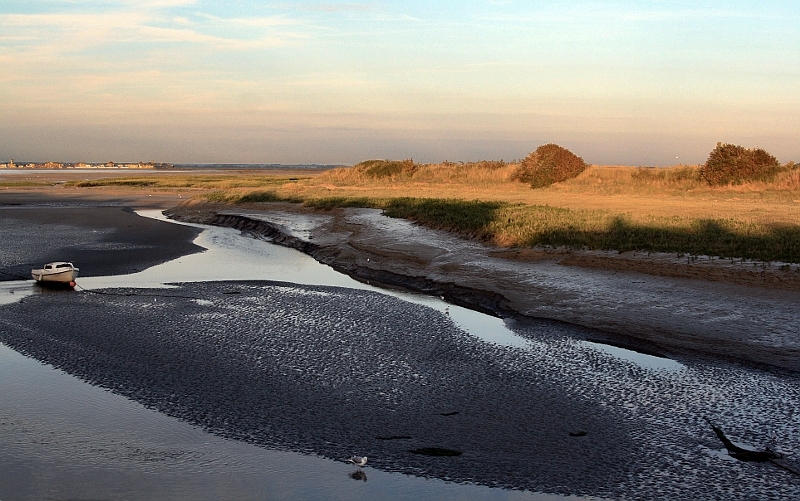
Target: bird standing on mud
[{"x": 358, "y": 460}]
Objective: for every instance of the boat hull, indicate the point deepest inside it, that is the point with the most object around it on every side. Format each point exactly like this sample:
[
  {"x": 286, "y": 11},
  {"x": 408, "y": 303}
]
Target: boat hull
[{"x": 58, "y": 276}]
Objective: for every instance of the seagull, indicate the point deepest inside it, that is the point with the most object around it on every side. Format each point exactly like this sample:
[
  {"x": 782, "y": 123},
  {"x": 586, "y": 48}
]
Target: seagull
[{"x": 358, "y": 460}]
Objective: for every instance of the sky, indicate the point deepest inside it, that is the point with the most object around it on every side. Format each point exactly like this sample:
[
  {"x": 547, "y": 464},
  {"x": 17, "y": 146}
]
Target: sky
[{"x": 183, "y": 81}]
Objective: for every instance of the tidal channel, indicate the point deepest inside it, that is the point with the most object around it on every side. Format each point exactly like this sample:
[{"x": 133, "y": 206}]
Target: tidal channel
[{"x": 63, "y": 438}]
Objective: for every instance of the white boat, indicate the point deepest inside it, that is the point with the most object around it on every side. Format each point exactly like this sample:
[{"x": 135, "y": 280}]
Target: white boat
[{"x": 59, "y": 272}]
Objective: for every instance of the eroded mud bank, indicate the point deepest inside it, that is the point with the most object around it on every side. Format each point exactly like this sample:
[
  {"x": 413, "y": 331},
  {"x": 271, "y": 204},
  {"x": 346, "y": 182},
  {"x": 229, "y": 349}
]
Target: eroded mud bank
[{"x": 749, "y": 324}]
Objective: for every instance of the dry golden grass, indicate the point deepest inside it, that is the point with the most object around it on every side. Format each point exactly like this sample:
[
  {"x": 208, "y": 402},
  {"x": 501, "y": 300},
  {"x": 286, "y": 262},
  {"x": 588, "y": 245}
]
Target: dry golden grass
[
  {"x": 638, "y": 193},
  {"x": 481, "y": 173}
]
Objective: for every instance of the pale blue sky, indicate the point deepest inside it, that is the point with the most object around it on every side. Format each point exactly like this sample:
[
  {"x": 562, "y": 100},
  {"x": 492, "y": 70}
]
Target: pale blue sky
[{"x": 627, "y": 82}]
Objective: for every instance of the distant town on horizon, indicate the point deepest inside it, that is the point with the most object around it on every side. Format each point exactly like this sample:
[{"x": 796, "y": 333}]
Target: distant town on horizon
[
  {"x": 11, "y": 164},
  {"x": 84, "y": 165}
]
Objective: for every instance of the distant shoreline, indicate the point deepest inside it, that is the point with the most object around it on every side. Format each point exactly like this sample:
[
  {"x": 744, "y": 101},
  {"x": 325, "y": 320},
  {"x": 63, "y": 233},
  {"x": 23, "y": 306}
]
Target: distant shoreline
[
  {"x": 81, "y": 166},
  {"x": 257, "y": 166}
]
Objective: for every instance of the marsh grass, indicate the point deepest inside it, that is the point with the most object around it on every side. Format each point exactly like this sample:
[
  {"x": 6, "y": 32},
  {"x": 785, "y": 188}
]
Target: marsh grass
[
  {"x": 531, "y": 225},
  {"x": 788, "y": 180},
  {"x": 522, "y": 225},
  {"x": 635, "y": 180},
  {"x": 219, "y": 182},
  {"x": 496, "y": 179},
  {"x": 23, "y": 184},
  {"x": 541, "y": 225}
]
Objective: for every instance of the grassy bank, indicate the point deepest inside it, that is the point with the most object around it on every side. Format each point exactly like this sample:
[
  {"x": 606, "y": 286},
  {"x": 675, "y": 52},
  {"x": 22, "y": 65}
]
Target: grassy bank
[
  {"x": 22, "y": 184},
  {"x": 619, "y": 208},
  {"x": 521, "y": 225},
  {"x": 531, "y": 225}
]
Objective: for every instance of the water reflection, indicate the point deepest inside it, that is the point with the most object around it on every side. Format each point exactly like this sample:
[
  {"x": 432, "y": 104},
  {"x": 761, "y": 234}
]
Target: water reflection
[
  {"x": 82, "y": 442},
  {"x": 359, "y": 475},
  {"x": 641, "y": 359},
  {"x": 13, "y": 291}
]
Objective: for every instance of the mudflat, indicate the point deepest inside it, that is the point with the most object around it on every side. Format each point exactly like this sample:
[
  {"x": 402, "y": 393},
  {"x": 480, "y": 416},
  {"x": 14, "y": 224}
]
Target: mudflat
[
  {"x": 102, "y": 235},
  {"x": 333, "y": 371},
  {"x": 737, "y": 317}
]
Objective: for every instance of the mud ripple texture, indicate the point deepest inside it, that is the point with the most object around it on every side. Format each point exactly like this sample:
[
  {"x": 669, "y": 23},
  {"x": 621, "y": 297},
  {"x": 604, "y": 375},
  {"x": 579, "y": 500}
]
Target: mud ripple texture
[{"x": 332, "y": 371}]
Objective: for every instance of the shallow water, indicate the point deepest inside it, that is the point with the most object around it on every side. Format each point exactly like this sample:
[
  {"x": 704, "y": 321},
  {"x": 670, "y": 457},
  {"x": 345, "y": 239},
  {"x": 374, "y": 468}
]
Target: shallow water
[{"x": 80, "y": 442}]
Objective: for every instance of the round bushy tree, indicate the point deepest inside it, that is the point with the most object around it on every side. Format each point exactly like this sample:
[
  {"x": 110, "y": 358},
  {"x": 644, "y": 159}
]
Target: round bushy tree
[
  {"x": 549, "y": 164},
  {"x": 734, "y": 164}
]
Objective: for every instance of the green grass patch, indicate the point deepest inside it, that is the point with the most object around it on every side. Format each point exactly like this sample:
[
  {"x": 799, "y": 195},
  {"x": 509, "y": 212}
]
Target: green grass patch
[
  {"x": 260, "y": 196},
  {"x": 114, "y": 182},
  {"x": 537, "y": 225},
  {"x": 344, "y": 202},
  {"x": 464, "y": 216},
  {"x": 221, "y": 182},
  {"x": 22, "y": 184}
]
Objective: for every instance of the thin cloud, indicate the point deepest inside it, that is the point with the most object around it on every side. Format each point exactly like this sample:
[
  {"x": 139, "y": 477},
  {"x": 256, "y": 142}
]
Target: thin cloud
[
  {"x": 152, "y": 34},
  {"x": 141, "y": 4},
  {"x": 629, "y": 15},
  {"x": 70, "y": 32},
  {"x": 249, "y": 21},
  {"x": 328, "y": 7},
  {"x": 687, "y": 14}
]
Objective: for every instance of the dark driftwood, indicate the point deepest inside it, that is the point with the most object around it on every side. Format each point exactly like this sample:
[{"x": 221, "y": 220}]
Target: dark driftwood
[
  {"x": 744, "y": 454},
  {"x": 767, "y": 455}
]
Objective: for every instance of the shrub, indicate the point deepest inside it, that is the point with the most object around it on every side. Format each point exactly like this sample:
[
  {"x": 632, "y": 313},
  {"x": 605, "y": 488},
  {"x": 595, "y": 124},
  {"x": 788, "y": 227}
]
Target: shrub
[
  {"x": 734, "y": 164},
  {"x": 549, "y": 164},
  {"x": 386, "y": 168}
]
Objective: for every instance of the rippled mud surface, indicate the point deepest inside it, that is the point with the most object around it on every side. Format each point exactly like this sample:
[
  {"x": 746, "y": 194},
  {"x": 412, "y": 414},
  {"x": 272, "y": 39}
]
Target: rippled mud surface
[{"x": 334, "y": 371}]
